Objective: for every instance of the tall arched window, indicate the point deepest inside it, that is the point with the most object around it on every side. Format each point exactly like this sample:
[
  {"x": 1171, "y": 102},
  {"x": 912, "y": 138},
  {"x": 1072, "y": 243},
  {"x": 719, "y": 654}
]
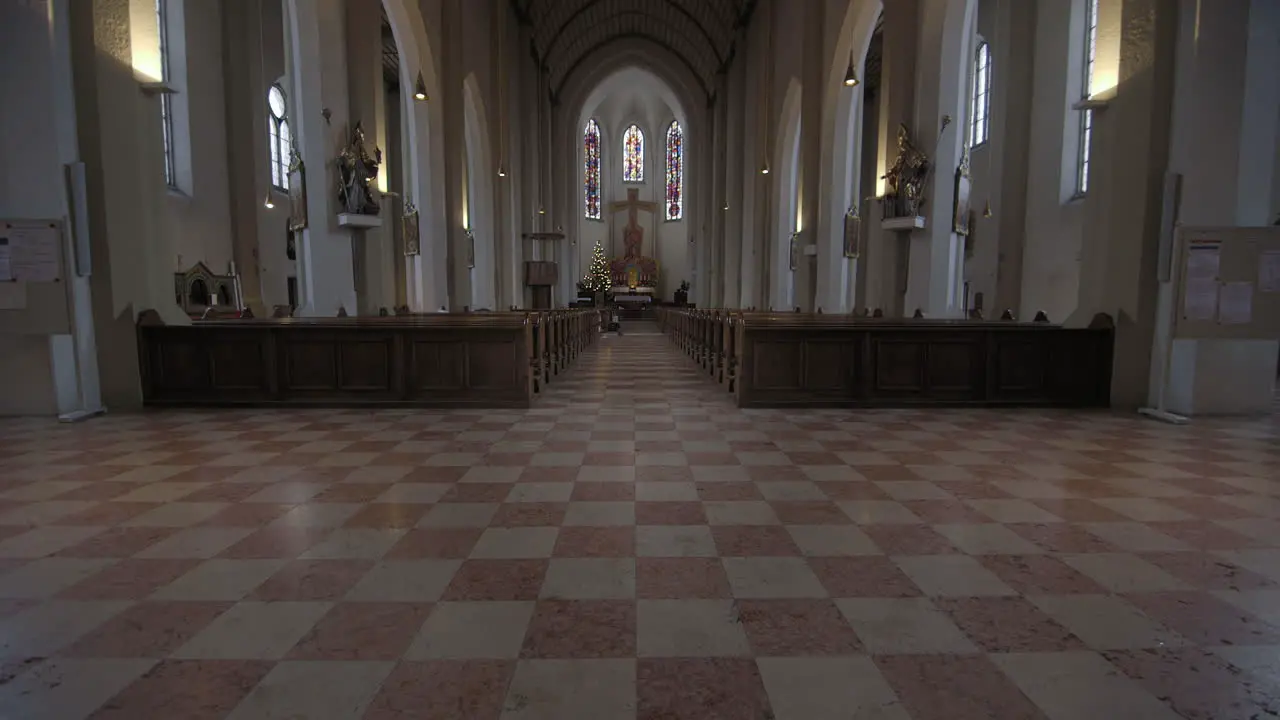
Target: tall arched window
[
  {"x": 1086, "y": 90},
  {"x": 166, "y": 101},
  {"x": 591, "y": 169},
  {"x": 633, "y": 155},
  {"x": 980, "y": 107},
  {"x": 278, "y": 138},
  {"x": 675, "y": 171}
]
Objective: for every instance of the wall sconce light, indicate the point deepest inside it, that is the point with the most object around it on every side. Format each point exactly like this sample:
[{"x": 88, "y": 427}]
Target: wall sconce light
[
  {"x": 764, "y": 170},
  {"x": 420, "y": 89},
  {"x": 986, "y": 211},
  {"x": 542, "y": 211},
  {"x": 501, "y": 172},
  {"x": 266, "y": 201}
]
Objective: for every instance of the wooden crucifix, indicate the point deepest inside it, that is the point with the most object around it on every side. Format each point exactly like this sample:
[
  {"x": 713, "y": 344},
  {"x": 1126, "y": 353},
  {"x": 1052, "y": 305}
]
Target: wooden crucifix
[{"x": 633, "y": 233}]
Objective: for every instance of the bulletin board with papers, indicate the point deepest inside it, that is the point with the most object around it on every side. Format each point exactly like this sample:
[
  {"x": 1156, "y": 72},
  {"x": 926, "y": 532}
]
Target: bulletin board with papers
[
  {"x": 1228, "y": 282},
  {"x": 33, "y": 294}
]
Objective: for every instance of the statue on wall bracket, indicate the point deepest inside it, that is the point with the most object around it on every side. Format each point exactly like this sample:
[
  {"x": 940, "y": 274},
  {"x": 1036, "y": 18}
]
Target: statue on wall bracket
[
  {"x": 904, "y": 182},
  {"x": 297, "y": 191},
  {"x": 852, "y": 231},
  {"x": 409, "y": 230},
  {"x": 960, "y": 213},
  {"x": 356, "y": 174}
]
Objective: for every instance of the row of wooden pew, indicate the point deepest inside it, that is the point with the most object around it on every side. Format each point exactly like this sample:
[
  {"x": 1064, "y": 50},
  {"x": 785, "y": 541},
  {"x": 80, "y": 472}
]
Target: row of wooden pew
[
  {"x": 491, "y": 359},
  {"x": 769, "y": 359}
]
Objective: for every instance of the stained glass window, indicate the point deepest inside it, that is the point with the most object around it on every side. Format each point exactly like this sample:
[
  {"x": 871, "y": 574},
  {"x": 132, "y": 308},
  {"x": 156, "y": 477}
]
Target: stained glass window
[
  {"x": 633, "y": 155},
  {"x": 278, "y": 138},
  {"x": 591, "y": 169},
  {"x": 675, "y": 171}
]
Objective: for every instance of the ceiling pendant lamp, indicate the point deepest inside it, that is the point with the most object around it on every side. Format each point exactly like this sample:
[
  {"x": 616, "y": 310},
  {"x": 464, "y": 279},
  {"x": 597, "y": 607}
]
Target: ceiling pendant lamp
[
  {"x": 420, "y": 88},
  {"x": 850, "y": 75},
  {"x": 765, "y": 169}
]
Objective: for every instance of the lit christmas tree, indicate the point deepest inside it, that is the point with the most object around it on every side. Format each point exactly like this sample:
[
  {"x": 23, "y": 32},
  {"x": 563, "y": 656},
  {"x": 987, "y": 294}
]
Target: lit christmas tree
[{"x": 597, "y": 279}]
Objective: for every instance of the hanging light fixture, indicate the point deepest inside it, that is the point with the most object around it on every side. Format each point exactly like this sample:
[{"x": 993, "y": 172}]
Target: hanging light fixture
[
  {"x": 850, "y": 75},
  {"x": 764, "y": 170},
  {"x": 420, "y": 88},
  {"x": 501, "y": 172},
  {"x": 986, "y": 211},
  {"x": 266, "y": 201}
]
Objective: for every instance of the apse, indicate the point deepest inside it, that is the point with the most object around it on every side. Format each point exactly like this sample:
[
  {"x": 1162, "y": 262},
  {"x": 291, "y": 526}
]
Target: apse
[{"x": 633, "y": 160}]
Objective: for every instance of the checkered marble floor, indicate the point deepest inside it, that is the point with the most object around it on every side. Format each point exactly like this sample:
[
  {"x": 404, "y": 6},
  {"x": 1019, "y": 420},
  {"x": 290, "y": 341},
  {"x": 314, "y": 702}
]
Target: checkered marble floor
[{"x": 636, "y": 547}]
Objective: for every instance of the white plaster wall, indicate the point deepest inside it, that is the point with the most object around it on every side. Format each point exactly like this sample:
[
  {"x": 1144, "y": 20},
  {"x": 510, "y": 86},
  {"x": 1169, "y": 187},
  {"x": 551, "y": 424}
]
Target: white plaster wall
[
  {"x": 1054, "y": 220},
  {"x": 639, "y": 97},
  {"x": 196, "y": 216}
]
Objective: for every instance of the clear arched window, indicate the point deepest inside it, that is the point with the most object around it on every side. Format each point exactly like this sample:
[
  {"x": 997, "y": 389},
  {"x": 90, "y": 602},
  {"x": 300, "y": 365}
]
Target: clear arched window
[
  {"x": 166, "y": 102},
  {"x": 1086, "y": 90},
  {"x": 591, "y": 169},
  {"x": 980, "y": 103},
  {"x": 633, "y": 155},
  {"x": 675, "y": 171},
  {"x": 279, "y": 140}
]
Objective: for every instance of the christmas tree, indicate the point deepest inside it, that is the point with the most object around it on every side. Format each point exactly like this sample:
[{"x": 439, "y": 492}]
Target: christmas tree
[{"x": 597, "y": 279}]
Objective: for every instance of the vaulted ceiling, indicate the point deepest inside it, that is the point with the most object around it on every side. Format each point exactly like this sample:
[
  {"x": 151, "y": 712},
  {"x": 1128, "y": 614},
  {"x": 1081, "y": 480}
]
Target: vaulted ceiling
[{"x": 700, "y": 33}]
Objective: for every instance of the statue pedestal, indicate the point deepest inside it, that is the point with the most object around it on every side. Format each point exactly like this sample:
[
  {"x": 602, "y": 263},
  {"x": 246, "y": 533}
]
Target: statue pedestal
[
  {"x": 358, "y": 221},
  {"x": 903, "y": 223}
]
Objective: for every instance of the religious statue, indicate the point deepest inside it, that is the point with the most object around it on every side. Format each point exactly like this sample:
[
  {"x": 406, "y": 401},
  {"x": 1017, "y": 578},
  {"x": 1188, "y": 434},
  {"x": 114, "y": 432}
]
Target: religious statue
[
  {"x": 356, "y": 173},
  {"x": 905, "y": 180},
  {"x": 632, "y": 239}
]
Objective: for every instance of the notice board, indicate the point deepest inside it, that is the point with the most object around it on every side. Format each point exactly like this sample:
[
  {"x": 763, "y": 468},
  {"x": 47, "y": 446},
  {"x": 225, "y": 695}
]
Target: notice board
[
  {"x": 33, "y": 293},
  {"x": 1228, "y": 282}
]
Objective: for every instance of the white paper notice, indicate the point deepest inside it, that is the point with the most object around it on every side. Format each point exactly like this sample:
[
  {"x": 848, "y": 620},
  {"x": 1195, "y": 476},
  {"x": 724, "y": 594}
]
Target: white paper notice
[
  {"x": 1201, "y": 299},
  {"x": 1269, "y": 271},
  {"x": 4, "y": 258},
  {"x": 33, "y": 252},
  {"x": 1235, "y": 306},
  {"x": 1203, "y": 260}
]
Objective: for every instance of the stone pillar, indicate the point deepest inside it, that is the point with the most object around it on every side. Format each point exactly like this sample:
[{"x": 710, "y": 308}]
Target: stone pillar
[
  {"x": 813, "y": 64},
  {"x": 885, "y": 259},
  {"x": 737, "y": 170},
  {"x": 936, "y": 270},
  {"x": 1225, "y": 111},
  {"x": 372, "y": 248},
  {"x": 715, "y": 204},
  {"x": 1129, "y": 153},
  {"x": 318, "y": 75}
]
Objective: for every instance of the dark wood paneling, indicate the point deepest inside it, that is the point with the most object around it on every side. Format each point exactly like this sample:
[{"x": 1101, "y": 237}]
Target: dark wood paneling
[
  {"x": 899, "y": 367},
  {"x": 420, "y": 361},
  {"x": 816, "y": 361},
  {"x": 437, "y": 365},
  {"x": 776, "y": 365}
]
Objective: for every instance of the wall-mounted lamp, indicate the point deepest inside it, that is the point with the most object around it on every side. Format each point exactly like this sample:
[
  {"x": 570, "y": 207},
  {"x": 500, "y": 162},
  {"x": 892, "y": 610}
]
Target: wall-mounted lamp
[
  {"x": 501, "y": 171},
  {"x": 542, "y": 211},
  {"x": 266, "y": 201},
  {"x": 986, "y": 211},
  {"x": 764, "y": 170},
  {"x": 420, "y": 89}
]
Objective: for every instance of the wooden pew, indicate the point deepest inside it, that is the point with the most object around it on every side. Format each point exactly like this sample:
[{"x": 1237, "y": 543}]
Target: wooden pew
[
  {"x": 801, "y": 360},
  {"x": 500, "y": 359}
]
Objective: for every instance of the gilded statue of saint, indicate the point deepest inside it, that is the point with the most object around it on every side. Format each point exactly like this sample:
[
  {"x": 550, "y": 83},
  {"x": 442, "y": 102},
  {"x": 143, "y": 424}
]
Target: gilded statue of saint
[
  {"x": 356, "y": 173},
  {"x": 904, "y": 184}
]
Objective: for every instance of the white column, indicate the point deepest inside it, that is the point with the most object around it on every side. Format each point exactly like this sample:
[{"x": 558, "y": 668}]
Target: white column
[
  {"x": 1226, "y": 90},
  {"x": 935, "y": 279},
  {"x": 729, "y": 205},
  {"x": 318, "y": 75},
  {"x": 373, "y": 247}
]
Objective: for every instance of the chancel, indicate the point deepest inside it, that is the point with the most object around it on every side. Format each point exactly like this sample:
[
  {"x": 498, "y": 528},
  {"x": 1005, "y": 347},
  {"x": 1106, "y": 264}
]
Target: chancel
[{"x": 619, "y": 359}]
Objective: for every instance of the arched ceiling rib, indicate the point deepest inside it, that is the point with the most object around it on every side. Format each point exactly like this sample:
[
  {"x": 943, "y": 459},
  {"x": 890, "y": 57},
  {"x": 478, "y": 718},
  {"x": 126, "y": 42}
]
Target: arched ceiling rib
[{"x": 699, "y": 33}]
